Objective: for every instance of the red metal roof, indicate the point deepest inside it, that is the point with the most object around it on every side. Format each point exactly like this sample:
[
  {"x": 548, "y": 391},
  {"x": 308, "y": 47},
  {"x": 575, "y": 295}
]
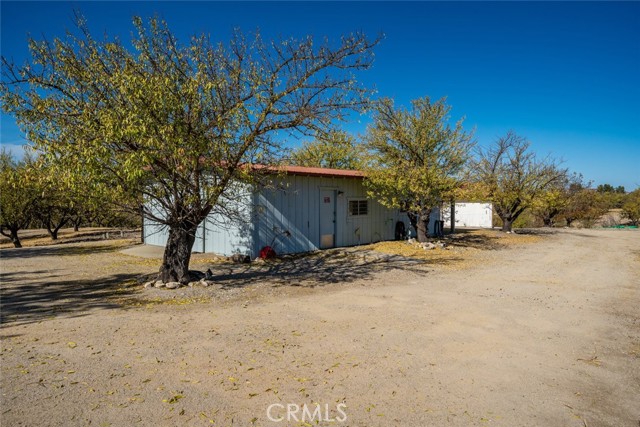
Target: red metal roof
[
  {"x": 303, "y": 170},
  {"x": 300, "y": 170}
]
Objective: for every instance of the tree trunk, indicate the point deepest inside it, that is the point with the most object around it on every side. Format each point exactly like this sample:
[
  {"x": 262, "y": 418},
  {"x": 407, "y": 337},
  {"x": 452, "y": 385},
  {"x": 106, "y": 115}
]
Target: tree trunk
[
  {"x": 13, "y": 235},
  {"x": 15, "y": 239},
  {"x": 423, "y": 231},
  {"x": 177, "y": 254},
  {"x": 509, "y": 216},
  {"x": 54, "y": 228},
  {"x": 549, "y": 218},
  {"x": 76, "y": 224},
  {"x": 59, "y": 226},
  {"x": 413, "y": 220},
  {"x": 53, "y": 233},
  {"x": 507, "y": 223},
  {"x": 423, "y": 225}
]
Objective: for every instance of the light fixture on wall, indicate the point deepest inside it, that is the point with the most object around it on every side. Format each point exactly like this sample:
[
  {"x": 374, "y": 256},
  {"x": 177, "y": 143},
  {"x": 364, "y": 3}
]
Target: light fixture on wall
[{"x": 340, "y": 193}]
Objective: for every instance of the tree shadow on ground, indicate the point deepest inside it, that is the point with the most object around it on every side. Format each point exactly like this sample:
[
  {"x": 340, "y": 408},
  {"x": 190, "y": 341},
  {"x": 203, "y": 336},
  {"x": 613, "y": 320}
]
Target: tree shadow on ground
[
  {"x": 487, "y": 239},
  {"x": 57, "y": 249},
  {"x": 474, "y": 238},
  {"x": 35, "y": 295},
  {"x": 319, "y": 269},
  {"x": 544, "y": 231},
  {"x": 18, "y": 276},
  {"x": 30, "y": 300}
]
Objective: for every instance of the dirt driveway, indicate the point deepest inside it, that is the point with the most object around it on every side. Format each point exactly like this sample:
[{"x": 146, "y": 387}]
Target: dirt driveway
[{"x": 545, "y": 334}]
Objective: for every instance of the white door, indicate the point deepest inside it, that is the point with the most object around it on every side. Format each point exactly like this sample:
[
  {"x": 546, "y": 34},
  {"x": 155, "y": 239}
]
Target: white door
[{"x": 327, "y": 219}]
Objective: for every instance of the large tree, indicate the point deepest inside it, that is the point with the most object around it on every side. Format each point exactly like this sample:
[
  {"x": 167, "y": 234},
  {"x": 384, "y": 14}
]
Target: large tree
[
  {"x": 513, "y": 176},
  {"x": 416, "y": 158},
  {"x": 179, "y": 124},
  {"x": 336, "y": 149}
]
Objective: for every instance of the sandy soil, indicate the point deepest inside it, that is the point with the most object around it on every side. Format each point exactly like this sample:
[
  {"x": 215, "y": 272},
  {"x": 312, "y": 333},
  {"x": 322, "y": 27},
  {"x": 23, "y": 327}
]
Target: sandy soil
[
  {"x": 40, "y": 237},
  {"x": 543, "y": 334}
]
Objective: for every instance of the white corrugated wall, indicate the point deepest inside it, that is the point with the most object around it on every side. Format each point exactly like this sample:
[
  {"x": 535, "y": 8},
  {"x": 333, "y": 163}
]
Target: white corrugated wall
[
  {"x": 474, "y": 215},
  {"x": 157, "y": 234},
  {"x": 294, "y": 206},
  {"x": 154, "y": 233}
]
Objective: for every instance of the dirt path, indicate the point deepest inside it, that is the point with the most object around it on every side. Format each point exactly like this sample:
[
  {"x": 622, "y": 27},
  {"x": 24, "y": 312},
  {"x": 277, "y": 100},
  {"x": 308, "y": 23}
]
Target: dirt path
[{"x": 546, "y": 334}]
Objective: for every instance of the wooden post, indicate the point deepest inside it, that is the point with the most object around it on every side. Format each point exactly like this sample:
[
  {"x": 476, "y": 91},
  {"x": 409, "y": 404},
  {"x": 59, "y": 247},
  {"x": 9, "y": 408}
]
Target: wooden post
[
  {"x": 452, "y": 216},
  {"x": 142, "y": 223}
]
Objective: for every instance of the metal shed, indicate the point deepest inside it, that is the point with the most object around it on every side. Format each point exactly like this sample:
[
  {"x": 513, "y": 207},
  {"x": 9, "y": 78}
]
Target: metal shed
[
  {"x": 304, "y": 209},
  {"x": 467, "y": 214}
]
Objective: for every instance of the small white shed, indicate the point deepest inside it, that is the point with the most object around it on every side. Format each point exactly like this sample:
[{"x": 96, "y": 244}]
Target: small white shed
[
  {"x": 472, "y": 215},
  {"x": 304, "y": 209}
]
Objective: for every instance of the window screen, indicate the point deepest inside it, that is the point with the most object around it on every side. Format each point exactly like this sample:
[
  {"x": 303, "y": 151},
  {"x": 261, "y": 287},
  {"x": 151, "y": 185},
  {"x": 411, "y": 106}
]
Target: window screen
[{"x": 358, "y": 207}]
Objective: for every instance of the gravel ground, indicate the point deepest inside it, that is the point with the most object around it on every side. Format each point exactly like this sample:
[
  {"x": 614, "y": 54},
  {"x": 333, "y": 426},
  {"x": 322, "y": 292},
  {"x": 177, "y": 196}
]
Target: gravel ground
[{"x": 545, "y": 333}]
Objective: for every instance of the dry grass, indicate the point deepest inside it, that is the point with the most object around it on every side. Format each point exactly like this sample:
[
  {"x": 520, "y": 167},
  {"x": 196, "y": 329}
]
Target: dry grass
[
  {"x": 152, "y": 302},
  {"x": 403, "y": 248},
  {"x": 449, "y": 258},
  {"x": 517, "y": 239},
  {"x": 128, "y": 294},
  {"x": 204, "y": 259},
  {"x": 464, "y": 249},
  {"x": 126, "y": 259}
]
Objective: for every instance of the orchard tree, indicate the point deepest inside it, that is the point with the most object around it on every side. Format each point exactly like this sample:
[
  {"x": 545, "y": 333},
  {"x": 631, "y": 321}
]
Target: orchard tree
[
  {"x": 612, "y": 196},
  {"x": 580, "y": 202},
  {"x": 179, "y": 125},
  {"x": 416, "y": 158},
  {"x": 335, "y": 149},
  {"x": 514, "y": 177},
  {"x": 585, "y": 205},
  {"x": 55, "y": 204},
  {"x": 93, "y": 202},
  {"x": 608, "y": 188},
  {"x": 18, "y": 193},
  {"x": 549, "y": 205},
  {"x": 553, "y": 201},
  {"x": 631, "y": 207}
]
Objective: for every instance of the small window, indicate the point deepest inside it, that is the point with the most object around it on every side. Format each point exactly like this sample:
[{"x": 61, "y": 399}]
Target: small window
[{"x": 358, "y": 207}]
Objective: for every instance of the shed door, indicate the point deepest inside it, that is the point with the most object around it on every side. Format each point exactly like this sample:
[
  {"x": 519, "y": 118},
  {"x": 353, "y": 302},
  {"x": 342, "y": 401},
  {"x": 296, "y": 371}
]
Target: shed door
[{"x": 327, "y": 219}]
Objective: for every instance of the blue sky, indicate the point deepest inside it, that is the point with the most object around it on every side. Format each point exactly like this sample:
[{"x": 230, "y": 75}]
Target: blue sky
[{"x": 565, "y": 75}]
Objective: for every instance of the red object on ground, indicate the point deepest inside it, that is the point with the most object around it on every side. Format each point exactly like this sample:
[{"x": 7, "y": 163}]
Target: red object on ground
[{"x": 267, "y": 252}]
